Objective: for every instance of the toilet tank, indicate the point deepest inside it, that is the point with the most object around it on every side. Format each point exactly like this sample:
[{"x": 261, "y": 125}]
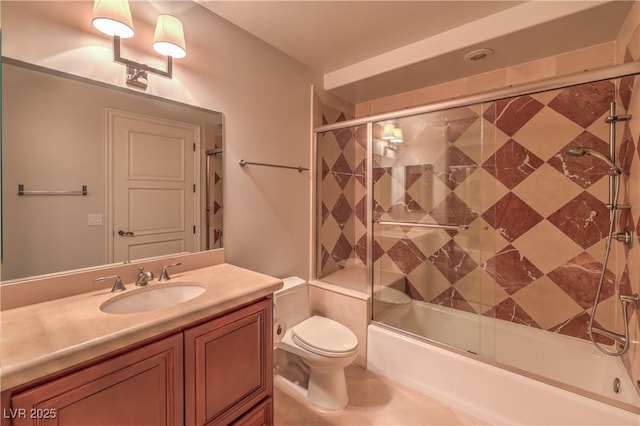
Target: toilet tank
[{"x": 291, "y": 302}]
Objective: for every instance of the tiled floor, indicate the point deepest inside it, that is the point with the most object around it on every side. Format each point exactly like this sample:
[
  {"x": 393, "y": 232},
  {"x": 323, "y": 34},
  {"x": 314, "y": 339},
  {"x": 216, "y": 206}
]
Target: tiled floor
[{"x": 374, "y": 400}]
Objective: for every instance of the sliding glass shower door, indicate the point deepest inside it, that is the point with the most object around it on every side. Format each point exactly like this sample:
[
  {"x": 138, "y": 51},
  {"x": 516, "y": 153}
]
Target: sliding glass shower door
[{"x": 428, "y": 246}]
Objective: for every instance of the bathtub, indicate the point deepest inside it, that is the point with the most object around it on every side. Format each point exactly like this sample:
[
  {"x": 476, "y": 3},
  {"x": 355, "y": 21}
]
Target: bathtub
[{"x": 575, "y": 385}]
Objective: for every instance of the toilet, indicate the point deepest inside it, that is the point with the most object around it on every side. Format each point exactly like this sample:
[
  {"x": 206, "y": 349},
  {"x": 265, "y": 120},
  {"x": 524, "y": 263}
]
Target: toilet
[{"x": 315, "y": 349}]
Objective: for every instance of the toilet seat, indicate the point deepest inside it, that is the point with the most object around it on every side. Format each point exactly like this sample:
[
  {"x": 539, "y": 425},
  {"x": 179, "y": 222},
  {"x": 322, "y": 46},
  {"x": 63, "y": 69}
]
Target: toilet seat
[{"x": 323, "y": 336}]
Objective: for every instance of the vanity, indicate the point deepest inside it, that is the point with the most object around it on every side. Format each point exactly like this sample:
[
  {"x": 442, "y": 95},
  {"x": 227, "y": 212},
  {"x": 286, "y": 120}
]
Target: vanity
[{"x": 207, "y": 360}]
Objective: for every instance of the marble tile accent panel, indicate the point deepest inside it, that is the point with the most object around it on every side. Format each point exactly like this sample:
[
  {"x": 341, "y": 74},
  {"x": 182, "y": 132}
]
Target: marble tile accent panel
[
  {"x": 342, "y": 250},
  {"x": 342, "y": 171},
  {"x": 452, "y": 210},
  {"x": 579, "y": 279},
  {"x": 378, "y": 251},
  {"x": 342, "y": 211},
  {"x": 360, "y": 172},
  {"x": 457, "y": 121},
  {"x": 378, "y": 172},
  {"x": 361, "y": 210},
  {"x": 453, "y": 167},
  {"x": 512, "y": 163},
  {"x": 509, "y": 310},
  {"x": 344, "y": 136},
  {"x": 360, "y": 249},
  {"x": 509, "y": 115},
  {"x": 585, "y": 103},
  {"x": 585, "y": 170},
  {"x": 626, "y": 89},
  {"x": 624, "y": 285},
  {"x": 577, "y": 327},
  {"x": 626, "y": 150},
  {"x": 584, "y": 219},
  {"x": 511, "y": 217},
  {"x": 406, "y": 255},
  {"x": 546, "y": 303},
  {"x": 451, "y": 298},
  {"x": 412, "y": 291},
  {"x": 453, "y": 261},
  {"x": 324, "y": 213},
  {"x": 511, "y": 270}
]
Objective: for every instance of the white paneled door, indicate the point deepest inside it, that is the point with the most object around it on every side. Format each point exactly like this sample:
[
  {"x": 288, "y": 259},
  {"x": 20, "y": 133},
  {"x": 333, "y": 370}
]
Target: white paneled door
[{"x": 154, "y": 198}]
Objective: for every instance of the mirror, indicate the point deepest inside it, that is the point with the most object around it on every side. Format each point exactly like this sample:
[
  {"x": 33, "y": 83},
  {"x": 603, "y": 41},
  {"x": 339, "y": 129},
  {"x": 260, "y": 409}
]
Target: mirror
[{"x": 152, "y": 169}]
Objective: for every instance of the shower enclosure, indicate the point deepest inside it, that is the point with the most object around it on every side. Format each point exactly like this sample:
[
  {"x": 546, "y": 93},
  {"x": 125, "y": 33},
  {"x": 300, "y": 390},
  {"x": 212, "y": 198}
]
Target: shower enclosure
[{"x": 469, "y": 226}]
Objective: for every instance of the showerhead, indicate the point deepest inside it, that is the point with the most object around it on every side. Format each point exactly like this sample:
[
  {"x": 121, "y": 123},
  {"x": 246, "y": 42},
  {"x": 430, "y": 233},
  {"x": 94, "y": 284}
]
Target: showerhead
[{"x": 581, "y": 151}]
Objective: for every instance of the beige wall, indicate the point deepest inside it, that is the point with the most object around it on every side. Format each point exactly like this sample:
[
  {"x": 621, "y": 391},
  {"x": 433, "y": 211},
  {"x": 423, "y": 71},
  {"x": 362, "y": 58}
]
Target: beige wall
[
  {"x": 573, "y": 62},
  {"x": 264, "y": 94}
]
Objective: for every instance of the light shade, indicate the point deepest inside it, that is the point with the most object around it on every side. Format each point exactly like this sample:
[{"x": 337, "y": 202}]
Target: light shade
[
  {"x": 397, "y": 135},
  {"x": 387, "y": 131},
  {"x": 168, "y": 39},
  {"x": 113, "y": 17}
]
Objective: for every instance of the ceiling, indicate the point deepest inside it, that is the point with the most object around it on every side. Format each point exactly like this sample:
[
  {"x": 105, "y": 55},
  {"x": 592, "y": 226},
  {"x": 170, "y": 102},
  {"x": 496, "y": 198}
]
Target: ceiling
[{"x": 371, "y": 49}]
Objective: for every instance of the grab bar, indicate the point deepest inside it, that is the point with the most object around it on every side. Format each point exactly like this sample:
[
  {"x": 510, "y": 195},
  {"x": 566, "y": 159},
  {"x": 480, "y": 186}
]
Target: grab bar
[
  {"x": 425, "y": 225},
  {"x": 298, "y": 168},
  {"x": 21, "y": 191}
]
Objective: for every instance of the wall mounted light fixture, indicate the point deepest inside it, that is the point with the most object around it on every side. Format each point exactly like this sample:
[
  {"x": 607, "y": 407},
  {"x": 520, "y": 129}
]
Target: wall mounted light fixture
[
  {"x": 113, "y": 17},
  {"x": 392, "y": 133}
]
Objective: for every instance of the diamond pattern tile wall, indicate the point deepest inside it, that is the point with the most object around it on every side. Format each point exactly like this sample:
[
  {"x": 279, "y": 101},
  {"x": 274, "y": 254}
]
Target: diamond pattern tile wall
[{"x": 572, "y": 208}]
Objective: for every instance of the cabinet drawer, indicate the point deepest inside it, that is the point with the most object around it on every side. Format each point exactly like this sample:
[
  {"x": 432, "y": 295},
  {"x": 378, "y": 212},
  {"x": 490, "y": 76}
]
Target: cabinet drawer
[{"x": 228, "y": 365}]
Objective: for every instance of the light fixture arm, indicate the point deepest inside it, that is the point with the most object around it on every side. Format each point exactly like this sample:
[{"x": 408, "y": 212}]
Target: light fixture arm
[{"x": 117, "y": 57}]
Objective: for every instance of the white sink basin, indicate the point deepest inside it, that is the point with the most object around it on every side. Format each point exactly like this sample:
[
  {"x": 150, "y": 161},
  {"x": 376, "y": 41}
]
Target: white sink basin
[{"x": 155, "y": 296}]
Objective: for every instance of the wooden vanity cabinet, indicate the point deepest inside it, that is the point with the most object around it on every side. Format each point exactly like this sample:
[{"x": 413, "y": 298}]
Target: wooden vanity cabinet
[
  {"x": 228, "y": 368},
  {"x": 218, "y": 372}
]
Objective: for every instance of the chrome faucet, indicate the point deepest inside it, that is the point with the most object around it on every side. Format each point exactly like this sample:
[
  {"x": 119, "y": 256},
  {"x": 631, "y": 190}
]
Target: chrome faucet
[
  {"x": 143, "y": 277},
  {"x": 164, "y": 276},
  {"x": 117, "y": 285}
]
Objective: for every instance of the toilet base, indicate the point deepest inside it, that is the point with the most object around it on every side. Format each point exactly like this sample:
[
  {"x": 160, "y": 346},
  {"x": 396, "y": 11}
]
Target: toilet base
[{"x": 328, "y": 388}]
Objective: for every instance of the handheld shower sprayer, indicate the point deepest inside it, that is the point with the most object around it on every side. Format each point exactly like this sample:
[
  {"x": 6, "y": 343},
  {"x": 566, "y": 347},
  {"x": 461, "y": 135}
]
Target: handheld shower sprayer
[{"x": 581, "y": 151}]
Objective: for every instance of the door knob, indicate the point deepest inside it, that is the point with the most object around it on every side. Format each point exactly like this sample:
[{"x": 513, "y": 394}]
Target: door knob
[{"x": 125, "y": 233}]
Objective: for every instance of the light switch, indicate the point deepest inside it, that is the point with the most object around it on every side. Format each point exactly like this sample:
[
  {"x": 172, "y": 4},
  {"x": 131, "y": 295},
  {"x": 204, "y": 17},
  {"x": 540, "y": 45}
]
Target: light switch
[{"x": 95, "y": 219}]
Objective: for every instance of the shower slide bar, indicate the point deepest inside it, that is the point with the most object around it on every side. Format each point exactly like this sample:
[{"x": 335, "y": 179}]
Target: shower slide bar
[
  {"x": 298, "y": 168},
  {"x": 425, "y": 225},
  {"x": 21, "y": 191}
]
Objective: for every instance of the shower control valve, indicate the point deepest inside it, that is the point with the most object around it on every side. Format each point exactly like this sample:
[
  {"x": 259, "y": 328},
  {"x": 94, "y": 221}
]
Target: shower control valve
[{"x": 625, "y": 237}]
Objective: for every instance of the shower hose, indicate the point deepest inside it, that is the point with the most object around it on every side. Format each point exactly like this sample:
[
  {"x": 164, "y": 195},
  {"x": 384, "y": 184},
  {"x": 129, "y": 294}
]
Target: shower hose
[{"x": 590, "y": 332}]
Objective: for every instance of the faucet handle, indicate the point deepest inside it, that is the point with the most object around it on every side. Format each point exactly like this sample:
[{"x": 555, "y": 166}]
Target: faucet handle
[
  {"x": 164, "y": 276},
  {"x": 117, "y": 285}
]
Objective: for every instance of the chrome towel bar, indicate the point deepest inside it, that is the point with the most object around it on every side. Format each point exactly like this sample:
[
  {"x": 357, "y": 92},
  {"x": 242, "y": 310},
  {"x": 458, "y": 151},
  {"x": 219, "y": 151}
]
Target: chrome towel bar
[
  {"x": 425, "y": 225},
  {"x": 21, "y": 191},
  {"x": 298, "y": 168}
]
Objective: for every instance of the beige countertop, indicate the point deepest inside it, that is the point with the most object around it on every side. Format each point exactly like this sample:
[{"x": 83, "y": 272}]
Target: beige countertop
[{"x": 43, "y": 338}]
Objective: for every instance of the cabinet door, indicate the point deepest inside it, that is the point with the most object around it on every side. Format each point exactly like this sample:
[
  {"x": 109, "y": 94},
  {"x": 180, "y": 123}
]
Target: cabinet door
[
  {"x": 141, "y": 387},
  {"x": 228, "y": 365}
]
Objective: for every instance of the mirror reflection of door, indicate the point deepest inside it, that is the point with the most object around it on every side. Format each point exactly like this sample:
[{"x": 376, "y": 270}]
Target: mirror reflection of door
[
  {"x": 214, "y": 199},
  {"x": 155, "y": 200}
]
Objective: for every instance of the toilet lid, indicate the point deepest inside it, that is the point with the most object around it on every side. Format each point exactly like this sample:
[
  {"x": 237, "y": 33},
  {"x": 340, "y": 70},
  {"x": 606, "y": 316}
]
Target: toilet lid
[{"x": 324, "y": 336}]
